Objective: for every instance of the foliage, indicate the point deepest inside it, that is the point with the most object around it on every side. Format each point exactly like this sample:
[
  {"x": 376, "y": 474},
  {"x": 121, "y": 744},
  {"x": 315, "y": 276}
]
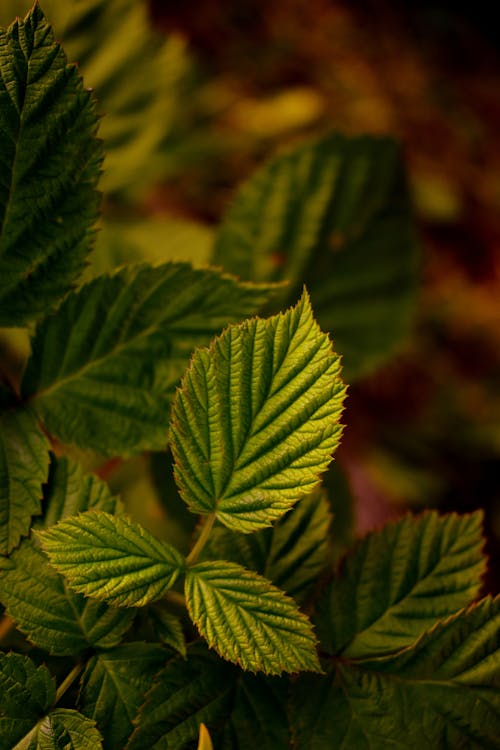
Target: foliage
[{"x": 390, "y": 649}]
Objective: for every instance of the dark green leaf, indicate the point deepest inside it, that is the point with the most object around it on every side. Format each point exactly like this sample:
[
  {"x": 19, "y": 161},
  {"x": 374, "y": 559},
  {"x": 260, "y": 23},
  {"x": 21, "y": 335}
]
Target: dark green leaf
[
  {"x": 114, "y": 686},
  {"x": 26, "y": 692},
  {"x": 397, "y": 582},
  {"x": 249, "y": 621},
  {"x": 255, "y": 421},
  {"x": 65, "y": 729},
  {"x": 168, "y": 629},
  {"x": 50, "y": 162},
  {"x": 335, "y": 216},
  {"x": 111, "y": 558},
  {"x": 24, "y": 466},
  {"x": 105, "y": 365}
]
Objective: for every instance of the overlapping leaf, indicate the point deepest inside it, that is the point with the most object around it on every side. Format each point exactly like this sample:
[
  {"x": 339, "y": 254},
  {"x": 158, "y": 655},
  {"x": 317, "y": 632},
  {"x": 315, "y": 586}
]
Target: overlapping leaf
[
  {"x": 255, "y": 421},
  {"x": 114, "y": 686},
  {"x": 168, "y": 628},
  {"x": 49, "y": 166},
  {"x": 103, "y": 368},
  {"x": 24, "y": 466},
  {"x": 443, "y": 692},
  {"x": 334, "y": 215},
  {"x": 249, "y": 621},
  {"x": 291, "y": 554},
  {"x": 112, "y": 558},
  {"x": 26, "y": 693},
  {"x": 65, "y": 729},
  {"x": 399, "y": 581},
  {"x": 38, "y": 599}
]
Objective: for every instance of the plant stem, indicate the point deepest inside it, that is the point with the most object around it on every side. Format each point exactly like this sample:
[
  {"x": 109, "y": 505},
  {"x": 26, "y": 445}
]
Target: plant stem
[
  {"x": 176, "y": 598},
  {"x": 6, "y": 623},
  {"x": 68, "y": 681},
  {"x": 202, "y": 539}
]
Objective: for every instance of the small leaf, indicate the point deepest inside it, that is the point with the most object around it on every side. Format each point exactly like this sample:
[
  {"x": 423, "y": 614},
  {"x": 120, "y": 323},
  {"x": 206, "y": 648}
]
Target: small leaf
[
  {"x": 255, "y": 421},
  {"x": 26, "y": 693},
  {"x": 334, "y": 215},
  {"x": 168, "y": 629},
  {"x": 104, "y": 367},
  {"x": 204, "y": 740},
  {"x": 399, "y": 581},
  {"x": 249, "y": 621},
  {"x": 24, "y": 466},
  {"x": 291, "y": 554},
  {"x": 187, "y": 692},
  {"x": 65, "y": 729},
  {"x": 49, "y": 170},
  {"x": 112, "y": 558},
  {"x": 114, "y": 686},
  {"x": 444, "y": 692}
]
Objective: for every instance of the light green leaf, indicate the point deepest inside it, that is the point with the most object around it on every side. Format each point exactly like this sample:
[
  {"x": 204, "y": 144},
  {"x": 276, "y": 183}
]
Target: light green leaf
[
  {"x": 38, "y": 599},
  {"x": 255, "y": 421},
  {"x": 111, "y": 558},
  {"x": 444, "y": 692},
  {"x": 187, "y": 692},
  {"x": 397, "y": 582},
  {"x": 114, "y": 686},
  {"x": 65, "y": 729},
  {"x": 249, "y": 621},
  {"x": 291, "y": 554},
  {"x": 26, "y": 692},
  {"x": 335, "y": 216},
  {"x": 49, "y": 166},
  {"x": 204, "y": 740},
  {"x": 24, "y": 466},
  {"x": 168, "y": 629},
  {"x": 105, "y": 365}
]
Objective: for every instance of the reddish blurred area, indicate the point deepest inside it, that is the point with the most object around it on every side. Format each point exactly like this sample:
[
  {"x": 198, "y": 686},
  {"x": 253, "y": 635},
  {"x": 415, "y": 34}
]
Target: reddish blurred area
[{"x": 425, "y": 430}]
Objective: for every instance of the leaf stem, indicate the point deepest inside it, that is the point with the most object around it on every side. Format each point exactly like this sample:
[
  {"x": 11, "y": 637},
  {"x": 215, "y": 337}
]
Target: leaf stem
[
  {"x": 68, "y": 681},
  {"x": 6, "y": 623},
  {"x": 176, "y": 598},
  {"x": 202, "y": 539}
]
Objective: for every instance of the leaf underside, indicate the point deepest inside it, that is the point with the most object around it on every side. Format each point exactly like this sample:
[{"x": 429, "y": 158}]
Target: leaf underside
[
  {"x": 256, "y": 419},
  {"x": 49, "y": 166}
]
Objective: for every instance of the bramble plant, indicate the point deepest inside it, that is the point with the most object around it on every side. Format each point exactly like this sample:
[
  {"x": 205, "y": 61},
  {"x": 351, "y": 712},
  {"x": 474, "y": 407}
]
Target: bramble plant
[{"x": 251, "y": 636}]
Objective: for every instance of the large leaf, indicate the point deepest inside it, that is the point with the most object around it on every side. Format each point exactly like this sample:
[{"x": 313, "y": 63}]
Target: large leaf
[
  {"x": 442, "y": 693},
  {"x": 24, "y": 466},
  {"x": 65, "y": 729},
  {"x": 249, "y": 621},
  {"x": 335, "y": 216},
  {"x": 137, "y": 76},
  {"x": 105, "y": 365},
  {"x": 114, "y": 686},
  {"x": 397, "y": 582},
  {"x": 187, "y": 692},
  {"x": 291, "y": 554},
  {"x": 26, "y": 692},
  {"x": 50, "y": 162},
  {"x": 112, "y": 558},
  {"x": 255, "y": 421},
  {"x": 38, "y": 599}
]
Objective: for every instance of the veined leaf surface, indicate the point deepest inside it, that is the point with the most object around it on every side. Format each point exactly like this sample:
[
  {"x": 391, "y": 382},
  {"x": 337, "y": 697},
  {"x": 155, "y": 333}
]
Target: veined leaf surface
[
  {"x": 49, "y": 167},
  {"x": 24, "y": 466},
  {"x": 397, "y": 582},
  {"x": 443, "y": 692},
  {"x": 111, "y": 558},
  {"x": 65, "y": 729},
  {"x": 256, "y": 419},
  {"x": 26, "y": 693},
  {"x": 335, "y": 216},
  {"x": 105, "y": 365},
  {"x": 249, "y": 621}
]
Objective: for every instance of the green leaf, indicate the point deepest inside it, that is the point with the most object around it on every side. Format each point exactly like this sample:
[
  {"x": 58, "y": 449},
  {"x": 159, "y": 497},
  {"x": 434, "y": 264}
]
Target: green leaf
[
  {"x": 49, "y": 167},
  {"x": 105, "y": 365},
  {"x": 291, "y": 554},
  {"x": 168, "y": 629},
  {"x": 114, "y": 686},
  {"x": 249, "y": 621},
  {"x": 24, "y": 465},
  {"x": 255, "y": 421},
  {"x": 335, "y": 216},
  {"x": 65, "y": 729},
  {"x": 397, "y": 582},
  {"x": 187, "y": 692},
  {"x": 26, "y": 692},
  {"x": 112, "y": 558},
  {"x": 37, "y": 598},
  {"x": 444, "y": 692}
]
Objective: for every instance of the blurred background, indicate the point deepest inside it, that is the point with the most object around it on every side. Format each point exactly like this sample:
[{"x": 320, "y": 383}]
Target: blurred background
[{"x": 197, "y": 96}]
